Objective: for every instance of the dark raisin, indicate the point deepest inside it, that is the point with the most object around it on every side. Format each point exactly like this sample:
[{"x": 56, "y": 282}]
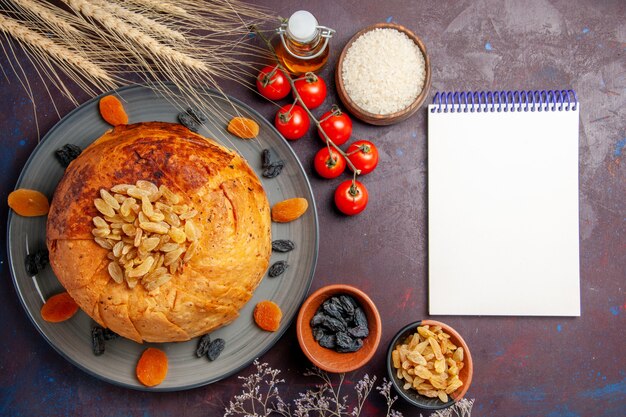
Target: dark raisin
[
  {"x": 318, "y": 319},
  {"x": 110, "y": 334},
  {"x": 97, "y": 340},
  {"x": 328, "y": 341},
  {"x": 274, "y": 169},
  {"x": 333, "y": 324},
  {"x": 344, "y": 340},
  {"x": 277, "y": 269},
  {"x": 332, "y": 310},
  {"x": 359, "y": 331},
  {"x": 355, "y": 345},
  {"x": 359, "y": 318},
  {"x": 283, "y": 245},
  {"x": 336, "y": 301},
  {"x": 196, "y": 114},
  {"x": 340, "y": 324},
  {"x": 266, "y": 158},
  {"x": 188, "y": 121},
  {"x": 67, "y": 153},
  {"x": 348, "y": 304},
  {"x": 215, "y": 348},
  {"x": 318, "y": 333},
  {"x": 35, "y": 262},
  {"x": 203, "y": 345}
]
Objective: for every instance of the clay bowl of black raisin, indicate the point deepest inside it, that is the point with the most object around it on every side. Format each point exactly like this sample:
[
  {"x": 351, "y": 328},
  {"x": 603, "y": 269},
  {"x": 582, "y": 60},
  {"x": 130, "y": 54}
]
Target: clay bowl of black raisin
[{"x": 339, "y": 328}]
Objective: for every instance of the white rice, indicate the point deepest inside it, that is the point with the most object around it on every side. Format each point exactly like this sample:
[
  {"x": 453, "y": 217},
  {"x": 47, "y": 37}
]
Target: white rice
[{"x": 383, "y": 71}]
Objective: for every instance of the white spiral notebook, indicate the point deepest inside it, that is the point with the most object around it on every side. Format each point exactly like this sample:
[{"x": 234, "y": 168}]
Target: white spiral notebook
[{"x": 503, "y": 203}]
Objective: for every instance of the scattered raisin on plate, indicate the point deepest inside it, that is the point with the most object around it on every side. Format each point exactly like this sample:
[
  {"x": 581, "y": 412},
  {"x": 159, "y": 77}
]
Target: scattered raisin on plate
[
  {"x": 196, "y": 114},
  {"x": 266, "y": 158},
  {"x": 97, "y": 340},
  {"x": 99, "y": 335},
  {"x": 277, "y": 269},
  {"x": 215, "y": 349},
  {"x": 283, "y": 245},
  {"x": 271, "y": 169},
  {"x": 67, "y": 153},
  {"x": 274, "y": 169},
  {"x": 203, "y": 345},
  {"x": 36, "y": 261},
  {"x": 188, "y": 121}
]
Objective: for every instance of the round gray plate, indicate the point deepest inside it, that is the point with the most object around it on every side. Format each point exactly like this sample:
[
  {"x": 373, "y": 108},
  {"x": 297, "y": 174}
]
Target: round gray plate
[{"x": 244, "y": 340}]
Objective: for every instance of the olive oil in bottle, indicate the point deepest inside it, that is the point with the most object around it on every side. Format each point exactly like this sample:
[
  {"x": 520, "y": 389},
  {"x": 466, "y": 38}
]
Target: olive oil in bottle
[{"x": 303, "y": 44}]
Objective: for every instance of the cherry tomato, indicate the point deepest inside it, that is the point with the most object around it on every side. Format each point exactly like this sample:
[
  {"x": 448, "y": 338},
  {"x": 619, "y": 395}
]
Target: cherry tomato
[
  {"x": 312, "y": 90},
  {"x": 272, "y": 83},
  {"x": 351, "y": 199},
  {"x": 292, "y": 121},
  {"x": 329, "y": 166},
  {"x": 337, "y": 126},
  {"x": 363, "y": 155}
]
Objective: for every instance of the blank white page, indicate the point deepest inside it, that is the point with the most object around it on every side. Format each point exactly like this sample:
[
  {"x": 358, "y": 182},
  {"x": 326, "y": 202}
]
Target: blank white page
[{"x": 503, "y": 213}]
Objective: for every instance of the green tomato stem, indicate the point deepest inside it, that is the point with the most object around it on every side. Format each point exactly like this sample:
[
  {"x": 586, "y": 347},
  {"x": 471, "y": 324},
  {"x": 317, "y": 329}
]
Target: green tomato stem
[{"x": 354, "y": 191}]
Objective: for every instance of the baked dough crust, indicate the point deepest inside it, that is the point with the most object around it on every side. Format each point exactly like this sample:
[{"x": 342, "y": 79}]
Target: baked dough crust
[{"x": 234, "y": 222}]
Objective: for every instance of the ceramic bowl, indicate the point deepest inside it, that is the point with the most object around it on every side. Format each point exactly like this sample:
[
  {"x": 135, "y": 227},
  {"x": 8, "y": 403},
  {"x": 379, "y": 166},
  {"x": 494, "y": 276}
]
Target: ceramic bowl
[
  {"x": 382, "y": 119},
  {"x": 328, "y": 359},
  {"x": 411, "y": 394}
]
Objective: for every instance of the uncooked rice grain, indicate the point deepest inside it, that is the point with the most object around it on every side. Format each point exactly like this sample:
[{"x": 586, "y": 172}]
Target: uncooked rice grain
[{"x": 383, "y": 71}]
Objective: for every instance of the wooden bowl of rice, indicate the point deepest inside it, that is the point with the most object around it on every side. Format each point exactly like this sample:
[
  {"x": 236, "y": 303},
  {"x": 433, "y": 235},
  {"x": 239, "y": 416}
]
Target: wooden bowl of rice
[{"x": 383, "y": 75}]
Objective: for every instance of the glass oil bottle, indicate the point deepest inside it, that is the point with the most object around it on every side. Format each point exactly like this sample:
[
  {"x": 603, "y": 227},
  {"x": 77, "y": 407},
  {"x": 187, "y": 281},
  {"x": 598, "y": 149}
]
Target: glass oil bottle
[{"x": 303, "y": 44}]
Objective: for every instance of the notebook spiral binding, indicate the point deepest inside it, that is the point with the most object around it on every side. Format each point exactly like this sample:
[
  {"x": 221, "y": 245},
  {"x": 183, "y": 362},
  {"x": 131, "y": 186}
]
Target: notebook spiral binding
[{"x": 507, "y": 101}]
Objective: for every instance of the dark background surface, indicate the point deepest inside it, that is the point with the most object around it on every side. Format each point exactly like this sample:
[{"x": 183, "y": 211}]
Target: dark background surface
[{"x": 554, "y": 367}]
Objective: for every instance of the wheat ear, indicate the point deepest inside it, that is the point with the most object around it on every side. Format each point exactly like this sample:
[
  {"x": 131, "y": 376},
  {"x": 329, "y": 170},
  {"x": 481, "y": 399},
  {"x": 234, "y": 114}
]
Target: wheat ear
[
  {"x": 145, "y": 24},
  {"x": 150, "y": 45},
  {"x": 43, "y": 12},
  {"x": 43, "y": 45},
  {"x": 159, "y": 6}
]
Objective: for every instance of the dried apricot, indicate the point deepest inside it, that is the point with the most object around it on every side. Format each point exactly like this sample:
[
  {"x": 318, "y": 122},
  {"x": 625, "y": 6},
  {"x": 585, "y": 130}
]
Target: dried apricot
[
  {"x": 267, "y": 315},
  {"x": 243, "y": 127},
  {"x": 289, "y": 210},
  {"x": 59, "y": 308},
  {"x": 28, "y": 203},
  {"x": 151, "y": 368},
  {"x": 112, "y": 111}
]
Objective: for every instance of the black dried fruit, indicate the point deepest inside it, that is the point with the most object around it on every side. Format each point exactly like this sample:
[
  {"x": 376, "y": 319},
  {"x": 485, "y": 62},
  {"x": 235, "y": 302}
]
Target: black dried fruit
[
  {"x": 109, "y": 334},
  {"x": 67, "y": 153},
  {"x": 328, "y": 341},
  {"x": 318, "y": 319},
  {"x": 318, "y": 333},
  {"x": 277, "y": 269},
  {"x": 273, "y": 169},
  {"x": 340, "y": 324},
  {"x": 203, "y": 345},
  {"x": 352, "y": 347},
  {"x": 283, "y": 245},
  {"x": 215, "y": 349},
  {"x": 348, "y": 304},
  {"x": 344, "y": 340},
  {"x": 359, "y": 331},
  {"x": 333, "y": 324},
  {"x": 97, "y": 340},
  {"x": 359, "y": 317},
  {"x": 35, "y": 262},
  {"x": 333, "y": 310},
  {"x": 188, "y": 121},
  {"x": 266, "y": 158},
  {"x": 196, "y": 114}
]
